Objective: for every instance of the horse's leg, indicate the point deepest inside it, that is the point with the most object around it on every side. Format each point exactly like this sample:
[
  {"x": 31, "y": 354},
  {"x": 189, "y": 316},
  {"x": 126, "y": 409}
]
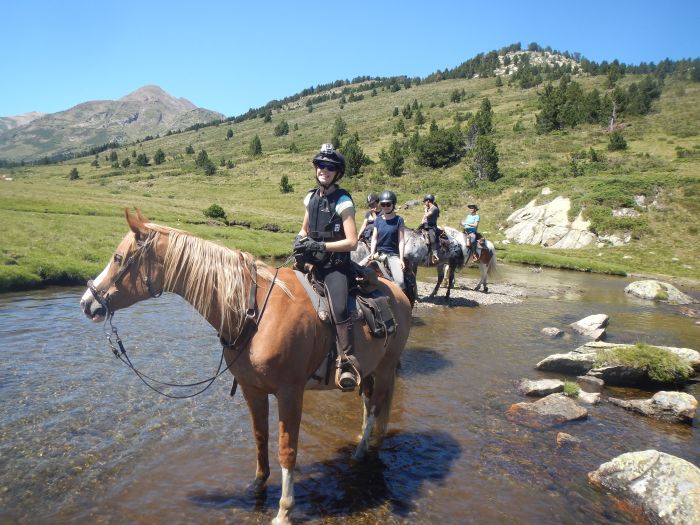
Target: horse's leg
[
  {"x": 440, "y": 277},
  {"x": 289, "y": 401},
  {"x": 368, "y": 420},
  {"x": 259, "y": 407},
  {"x": 450, "y": 280}
]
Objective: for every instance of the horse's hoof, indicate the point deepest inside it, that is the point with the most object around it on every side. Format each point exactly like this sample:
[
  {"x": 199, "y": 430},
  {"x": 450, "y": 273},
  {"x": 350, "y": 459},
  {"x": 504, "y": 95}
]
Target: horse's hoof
[{"x": 486, "y": 290}]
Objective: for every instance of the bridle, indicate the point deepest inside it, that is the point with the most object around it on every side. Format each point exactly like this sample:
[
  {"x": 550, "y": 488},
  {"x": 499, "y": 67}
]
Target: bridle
[
  {"x": 250, "y": 325},
  {"x": 103, "y": 298}
]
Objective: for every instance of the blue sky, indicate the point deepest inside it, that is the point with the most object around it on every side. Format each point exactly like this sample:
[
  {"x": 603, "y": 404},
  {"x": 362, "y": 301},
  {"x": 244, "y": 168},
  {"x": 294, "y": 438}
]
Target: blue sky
[{"x": 229, "y": 56}]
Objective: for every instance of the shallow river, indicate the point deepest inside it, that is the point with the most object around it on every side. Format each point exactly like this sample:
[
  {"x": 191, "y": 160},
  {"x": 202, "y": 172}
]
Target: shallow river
[{"x": 82, "y": 440}]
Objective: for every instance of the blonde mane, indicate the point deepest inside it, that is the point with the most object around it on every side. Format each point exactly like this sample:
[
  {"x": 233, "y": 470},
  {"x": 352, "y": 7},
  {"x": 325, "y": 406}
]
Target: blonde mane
[{"x": 208, "y": 271}]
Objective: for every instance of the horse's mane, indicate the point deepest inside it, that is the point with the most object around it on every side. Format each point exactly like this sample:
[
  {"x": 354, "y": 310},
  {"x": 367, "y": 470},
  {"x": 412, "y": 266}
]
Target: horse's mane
[{"x": 206, "y": 270}]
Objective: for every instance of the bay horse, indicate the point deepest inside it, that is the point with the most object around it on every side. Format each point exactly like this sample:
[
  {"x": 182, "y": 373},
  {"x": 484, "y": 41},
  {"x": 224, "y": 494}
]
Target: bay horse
[
  {"x": 278, "y": 357},
  {"x": 452, "y": 258}
]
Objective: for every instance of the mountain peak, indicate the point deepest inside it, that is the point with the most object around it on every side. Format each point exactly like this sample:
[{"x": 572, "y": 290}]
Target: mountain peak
[{"x": 153, "y": 93}]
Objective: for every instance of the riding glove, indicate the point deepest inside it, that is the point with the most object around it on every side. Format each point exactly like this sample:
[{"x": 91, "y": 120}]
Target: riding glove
[
  {"x": 314, "y": 246},
  {"x": 298, "y": 245}
]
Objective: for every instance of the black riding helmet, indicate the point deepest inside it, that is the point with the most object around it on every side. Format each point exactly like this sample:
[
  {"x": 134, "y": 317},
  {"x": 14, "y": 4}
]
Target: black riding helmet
[
  {"x": 332, "y": 156},
  {"x": 372, "y": 197},
  {"x": 388, "y": 196},
  {"x": 429, "y": 197}
]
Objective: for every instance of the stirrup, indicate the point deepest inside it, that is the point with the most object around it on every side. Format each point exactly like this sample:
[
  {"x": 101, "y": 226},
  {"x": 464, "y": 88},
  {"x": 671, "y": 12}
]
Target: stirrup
[{"x": 347, "y": 380}]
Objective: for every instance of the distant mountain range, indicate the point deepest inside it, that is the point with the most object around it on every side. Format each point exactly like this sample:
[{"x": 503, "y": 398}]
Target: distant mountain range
[{"x": 147, "y": 111}]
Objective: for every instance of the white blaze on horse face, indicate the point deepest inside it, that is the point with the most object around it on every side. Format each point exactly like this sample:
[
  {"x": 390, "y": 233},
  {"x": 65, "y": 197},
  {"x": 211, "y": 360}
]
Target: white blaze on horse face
[{"x": 89, "y": 299}]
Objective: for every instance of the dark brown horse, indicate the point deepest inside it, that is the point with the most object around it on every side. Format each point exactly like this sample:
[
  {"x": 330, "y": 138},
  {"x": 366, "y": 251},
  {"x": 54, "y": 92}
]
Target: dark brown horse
[{"x": 280, "y": 357}]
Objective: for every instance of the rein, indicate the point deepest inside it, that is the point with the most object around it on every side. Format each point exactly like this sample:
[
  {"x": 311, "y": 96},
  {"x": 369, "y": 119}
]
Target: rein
[{"x": 250, "y": 325}]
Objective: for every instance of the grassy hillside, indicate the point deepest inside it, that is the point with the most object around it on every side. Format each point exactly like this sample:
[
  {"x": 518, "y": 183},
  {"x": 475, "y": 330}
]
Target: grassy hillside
[{"x": 61, "y": 230}]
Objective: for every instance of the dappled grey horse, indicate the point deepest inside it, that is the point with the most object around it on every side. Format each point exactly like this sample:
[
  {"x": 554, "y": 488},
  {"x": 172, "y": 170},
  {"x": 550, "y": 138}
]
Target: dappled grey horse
[{"x": 453, "y": 256}]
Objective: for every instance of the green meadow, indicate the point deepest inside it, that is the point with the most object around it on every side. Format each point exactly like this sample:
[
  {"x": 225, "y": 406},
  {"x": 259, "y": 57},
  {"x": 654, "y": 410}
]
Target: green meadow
[{"x": 58, "y": 230}]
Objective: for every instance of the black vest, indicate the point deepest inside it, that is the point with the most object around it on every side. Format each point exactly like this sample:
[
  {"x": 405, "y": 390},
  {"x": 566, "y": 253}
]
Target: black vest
[{"x": 326, "y": 225}]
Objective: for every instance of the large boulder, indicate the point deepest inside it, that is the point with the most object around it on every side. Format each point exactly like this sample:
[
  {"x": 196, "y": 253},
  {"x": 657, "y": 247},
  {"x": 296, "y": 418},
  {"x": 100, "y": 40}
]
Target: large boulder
[
  {"x": 666, "y": 489},
  {"x": 676, "y": 407},
  {"x": 552, "y": 410},
  {"x": 549, "y": 225},
  {"x": 582, "y": 360},
  {"x": 658, "y": 291}
]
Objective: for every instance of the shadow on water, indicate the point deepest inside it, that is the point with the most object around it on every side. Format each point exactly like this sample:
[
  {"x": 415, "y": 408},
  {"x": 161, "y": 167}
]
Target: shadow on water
[
  {"x": 388, "y": 480},
  {"x": 422, "y": 361},
  {"x": 453, "y": 301}
]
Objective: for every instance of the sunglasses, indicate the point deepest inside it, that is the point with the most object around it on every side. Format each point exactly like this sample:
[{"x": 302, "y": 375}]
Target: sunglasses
[
  {"x": 386, "y": 204},
  {"x": 326, "y": 166}
]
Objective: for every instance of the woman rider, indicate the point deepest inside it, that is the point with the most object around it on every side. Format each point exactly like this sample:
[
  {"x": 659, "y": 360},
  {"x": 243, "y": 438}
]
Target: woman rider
[
  {"x": 471, "y": 225},
  {"x": 327, "y": 236},
  {"x": 429, "y": 224},
  {"x": 367, "y": 227},
  {"x": 388, "y": 237}
]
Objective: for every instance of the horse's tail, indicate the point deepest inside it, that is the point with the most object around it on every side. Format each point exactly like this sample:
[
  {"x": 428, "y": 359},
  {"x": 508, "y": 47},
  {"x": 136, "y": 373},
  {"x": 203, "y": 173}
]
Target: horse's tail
[
  {"x": 491, "y": 268},
  {"x": 382, "y": 421}
]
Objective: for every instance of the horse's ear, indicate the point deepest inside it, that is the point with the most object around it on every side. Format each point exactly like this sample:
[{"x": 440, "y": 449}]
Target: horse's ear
[
  {"x": 136, "y": 224},
  {"x": 141, "y": 216}
]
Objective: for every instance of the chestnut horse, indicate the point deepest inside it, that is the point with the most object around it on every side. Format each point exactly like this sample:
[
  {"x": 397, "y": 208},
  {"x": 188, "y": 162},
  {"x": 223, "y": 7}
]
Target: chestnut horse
[{"x": 278, "y": 357}]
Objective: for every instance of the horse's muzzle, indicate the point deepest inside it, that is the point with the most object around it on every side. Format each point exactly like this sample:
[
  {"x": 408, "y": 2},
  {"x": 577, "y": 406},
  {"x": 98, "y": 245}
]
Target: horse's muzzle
[{"x": 92, "y": 308}]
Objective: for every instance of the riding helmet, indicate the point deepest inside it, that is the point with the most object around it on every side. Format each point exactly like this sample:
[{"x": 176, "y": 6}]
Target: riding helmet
[
  {"x": 372, "y": 197},
  {"x": 429, "y": 197},
  {"x": 473, "y": 206},
  {"x": 388, "y": 196},
  {"x": 331, "y": 155}
]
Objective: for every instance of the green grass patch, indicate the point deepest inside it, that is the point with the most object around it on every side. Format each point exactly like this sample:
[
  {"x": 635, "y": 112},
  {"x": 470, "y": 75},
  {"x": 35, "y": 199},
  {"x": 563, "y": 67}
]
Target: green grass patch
[
  {"x": 660, "y": 365},
  {"x": 571, "y": 389}
]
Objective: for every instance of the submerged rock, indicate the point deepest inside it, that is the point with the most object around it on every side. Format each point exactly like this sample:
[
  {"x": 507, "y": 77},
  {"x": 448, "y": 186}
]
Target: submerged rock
[
  {"x": 658, "y": 291},
  {"x": 540, "y": 388},
  {"x": 552, "y": 410},
  {"x": 676, "y": 407},
  {"x": 551, "y": 331},
  {"x": 666, "y": 489}
]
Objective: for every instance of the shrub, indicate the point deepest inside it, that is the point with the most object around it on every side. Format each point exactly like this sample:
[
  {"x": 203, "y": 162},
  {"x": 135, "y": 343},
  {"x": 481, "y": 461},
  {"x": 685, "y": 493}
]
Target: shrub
[
  {"x": 255, "y": 147},
  {"x": 285, "y": 187},
  {"x": 617, "y": 142},
  {"x": 440, "y": 148},
  {"x": 189, "y": 150},
  {"x": 142, "y": 159},
  {"x": 282, "y": 128},
  {"x": 73, "y": 175},
  {"x": 215, "y": 212},
  {"x": 126, "y": 163}
]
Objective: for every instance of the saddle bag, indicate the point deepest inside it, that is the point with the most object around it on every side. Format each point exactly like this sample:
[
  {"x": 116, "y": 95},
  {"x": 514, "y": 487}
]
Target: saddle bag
[{"x": 378, "y": 315}]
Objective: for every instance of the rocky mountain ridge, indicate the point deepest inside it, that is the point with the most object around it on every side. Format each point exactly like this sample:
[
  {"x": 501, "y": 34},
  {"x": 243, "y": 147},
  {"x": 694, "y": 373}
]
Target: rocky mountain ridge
[{"x": 147, "y": 111}]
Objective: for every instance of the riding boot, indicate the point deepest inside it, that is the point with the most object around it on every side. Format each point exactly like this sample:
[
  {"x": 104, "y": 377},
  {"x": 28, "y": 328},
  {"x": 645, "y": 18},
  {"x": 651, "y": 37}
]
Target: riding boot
[{"x": 348, "y": 374}]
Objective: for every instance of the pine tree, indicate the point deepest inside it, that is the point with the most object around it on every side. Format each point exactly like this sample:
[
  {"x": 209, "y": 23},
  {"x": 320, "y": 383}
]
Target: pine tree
[
  {"x": 485, "y": 159},
  {"x": 255, "y": 148},
  {"x": 159, "y": 157},
  {"x": 393, "y": 159},
  {"x": 355, "y": 158}
]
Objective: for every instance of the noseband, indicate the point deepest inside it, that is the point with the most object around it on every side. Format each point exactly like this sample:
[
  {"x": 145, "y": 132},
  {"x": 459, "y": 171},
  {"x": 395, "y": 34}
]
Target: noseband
[{"x": 103, "y": 298}]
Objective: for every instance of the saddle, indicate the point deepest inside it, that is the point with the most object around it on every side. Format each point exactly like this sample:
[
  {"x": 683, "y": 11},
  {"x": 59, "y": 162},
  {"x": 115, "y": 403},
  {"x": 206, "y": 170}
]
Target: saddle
[{"x": 365, "y": 302}]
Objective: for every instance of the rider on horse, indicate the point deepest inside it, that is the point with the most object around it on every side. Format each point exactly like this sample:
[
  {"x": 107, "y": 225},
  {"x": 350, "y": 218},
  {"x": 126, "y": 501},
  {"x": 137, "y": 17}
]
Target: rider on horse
[
  {"x": 429, "y": 224},
  {"x": 471, "y": 225},
  {"x": 388, "y": 238},
  {"x": 371, "y": 215},
  {"x": 327, "y": 236}
]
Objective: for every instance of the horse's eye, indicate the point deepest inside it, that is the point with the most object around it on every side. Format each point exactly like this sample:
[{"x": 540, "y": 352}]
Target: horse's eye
[{"x": 118, "y": 258}]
